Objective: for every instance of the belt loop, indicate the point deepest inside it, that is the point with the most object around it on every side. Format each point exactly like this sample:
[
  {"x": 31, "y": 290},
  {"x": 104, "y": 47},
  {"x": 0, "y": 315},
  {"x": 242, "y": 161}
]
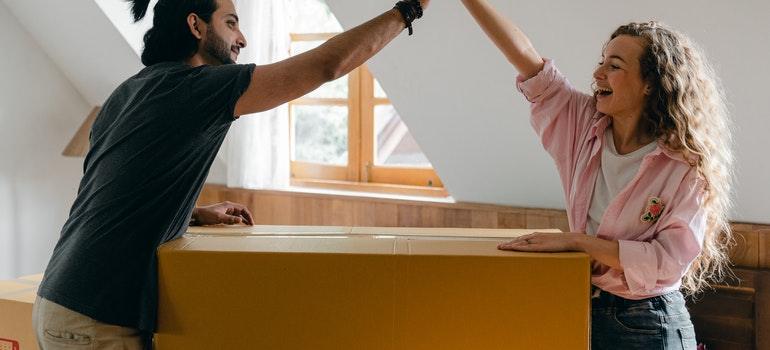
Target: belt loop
[{"x": 595, "y": 292}]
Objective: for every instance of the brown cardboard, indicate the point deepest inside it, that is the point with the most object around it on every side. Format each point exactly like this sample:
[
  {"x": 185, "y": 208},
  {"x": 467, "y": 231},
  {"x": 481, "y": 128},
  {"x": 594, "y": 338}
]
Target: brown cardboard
[
  {"x": 16, "y": 299},
  {"x": 369, "y": 291},
  {"x": 266, "y": 230},
  {"x": 443, "y": 232}
]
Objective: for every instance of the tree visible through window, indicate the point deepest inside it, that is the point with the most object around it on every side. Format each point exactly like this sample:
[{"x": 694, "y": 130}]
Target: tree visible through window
[{"x": 347, "y": 130}]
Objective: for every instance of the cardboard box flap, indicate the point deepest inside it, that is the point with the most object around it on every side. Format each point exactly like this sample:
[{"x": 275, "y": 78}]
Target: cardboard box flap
[
  {"x": 8, "y": 287},
  {"x": 36, "y": 278},
  {"x": 330, "y": 244},
  {"x": 446, "y": 232},
  {"x": 363, "y": 245},
  {"x": 266, "y": 230},
  {"x": 25, "y": 296},
  {"x": 263, "y": 230},
  {"x": 473, "y": 247}
]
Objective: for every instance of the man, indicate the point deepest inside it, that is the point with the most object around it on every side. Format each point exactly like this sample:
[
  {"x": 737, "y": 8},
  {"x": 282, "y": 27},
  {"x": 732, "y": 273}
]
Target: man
[{"x": 151, "y": 148}]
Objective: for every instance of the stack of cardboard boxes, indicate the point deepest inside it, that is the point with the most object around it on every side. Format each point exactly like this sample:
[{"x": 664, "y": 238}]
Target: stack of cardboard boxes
[
  {"x": 280, "y": 287},
  {"x": 16, "y": 299}
]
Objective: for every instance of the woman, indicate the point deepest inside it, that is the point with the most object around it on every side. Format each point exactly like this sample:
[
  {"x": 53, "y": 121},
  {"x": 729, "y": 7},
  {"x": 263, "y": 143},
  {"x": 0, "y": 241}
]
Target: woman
[{"x": 644, "y": 163}]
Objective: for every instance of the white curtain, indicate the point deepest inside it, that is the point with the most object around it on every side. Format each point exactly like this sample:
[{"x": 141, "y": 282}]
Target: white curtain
[{"x": 255, "y": 153}]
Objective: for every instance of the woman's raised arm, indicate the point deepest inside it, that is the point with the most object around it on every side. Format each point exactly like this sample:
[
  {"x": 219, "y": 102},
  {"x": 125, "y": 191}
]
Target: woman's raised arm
[{"x": 507, "y": 36}]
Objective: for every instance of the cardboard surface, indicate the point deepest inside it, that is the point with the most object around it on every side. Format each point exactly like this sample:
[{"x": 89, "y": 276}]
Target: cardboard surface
[
  {"x": 371, "y": 289},
  {"x": 16, "y": 300},
  {"x": 267, "y": 230},
  {"x": 445, "y": 232}
]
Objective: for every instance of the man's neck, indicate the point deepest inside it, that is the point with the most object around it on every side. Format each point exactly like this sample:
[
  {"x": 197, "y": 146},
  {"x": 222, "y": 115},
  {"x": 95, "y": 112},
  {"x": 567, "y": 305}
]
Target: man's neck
[{"x": 195, "y": 60}]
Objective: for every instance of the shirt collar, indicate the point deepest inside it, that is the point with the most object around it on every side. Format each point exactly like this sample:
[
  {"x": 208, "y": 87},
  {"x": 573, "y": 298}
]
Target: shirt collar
[{"x": 598, "y": 129}]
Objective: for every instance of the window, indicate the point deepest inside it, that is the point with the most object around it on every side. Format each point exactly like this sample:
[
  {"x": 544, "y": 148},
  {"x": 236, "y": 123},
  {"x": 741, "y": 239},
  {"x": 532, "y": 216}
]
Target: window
[{"x": 347, "y": 131}]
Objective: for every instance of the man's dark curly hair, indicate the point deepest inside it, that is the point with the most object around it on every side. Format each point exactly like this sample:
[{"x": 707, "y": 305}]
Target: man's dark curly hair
[{"x": 170, "y": 38}]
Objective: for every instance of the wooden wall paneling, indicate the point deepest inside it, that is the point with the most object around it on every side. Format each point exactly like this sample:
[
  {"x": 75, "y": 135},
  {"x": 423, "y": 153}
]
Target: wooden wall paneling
[
  {"x": 483, "y": 219},
  {"x": 762, "y": 310},
  {"x": 545, "y": 218},
  {"x": 745, "y": 252},
  {"x": 537, "y": 219},
  {"x": 268, "y": 210},
  {"x": 210, "y": 195},
  {"x": 724, "y": 317},
  {"x": 763, "y": 240},
  {"x": 342, "y": 213},
  {"x": 281, "y": 209},
  {"x": 462, "y": 218},
  {"x": 311, "y": 211},
  {"x": 364, "y": 214},
  {"x": 561, "y": 222},
  {"x": 408, "y": 216},
  {"x": 301, "y": 211},
  {"x": 431, "y": 216},
  {"x": 386, "y": 215},
  {"x": 512, "y": 219}
]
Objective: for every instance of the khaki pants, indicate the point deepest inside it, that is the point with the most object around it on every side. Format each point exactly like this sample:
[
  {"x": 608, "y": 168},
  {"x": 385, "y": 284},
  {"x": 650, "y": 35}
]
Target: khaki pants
[{"x": 58, "y": 327}]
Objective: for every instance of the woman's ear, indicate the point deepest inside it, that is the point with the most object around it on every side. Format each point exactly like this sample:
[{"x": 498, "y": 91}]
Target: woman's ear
[
  {"x": 647, "y": 89},
  {"x": 193, "y": 23}
]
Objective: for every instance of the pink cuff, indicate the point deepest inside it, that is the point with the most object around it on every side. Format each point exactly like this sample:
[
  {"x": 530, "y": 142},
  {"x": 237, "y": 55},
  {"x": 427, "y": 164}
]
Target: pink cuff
[
  {"x": 535, "y": 87},
  {"x": 639, "y": 263}
]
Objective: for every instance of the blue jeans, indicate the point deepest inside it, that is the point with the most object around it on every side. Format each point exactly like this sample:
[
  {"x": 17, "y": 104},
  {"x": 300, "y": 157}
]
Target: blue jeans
[{"x": 661, "y": 322}]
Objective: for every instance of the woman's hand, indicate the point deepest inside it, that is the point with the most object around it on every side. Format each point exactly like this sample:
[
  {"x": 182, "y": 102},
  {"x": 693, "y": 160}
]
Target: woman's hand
[
  {"x": 604, "y": 251},
  {"x": 543, "y": 242},
  {"x": 221, "y": 213}
]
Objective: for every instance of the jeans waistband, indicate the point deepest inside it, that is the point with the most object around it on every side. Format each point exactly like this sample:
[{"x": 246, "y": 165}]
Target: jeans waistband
[{"x": 602, "y": 298}]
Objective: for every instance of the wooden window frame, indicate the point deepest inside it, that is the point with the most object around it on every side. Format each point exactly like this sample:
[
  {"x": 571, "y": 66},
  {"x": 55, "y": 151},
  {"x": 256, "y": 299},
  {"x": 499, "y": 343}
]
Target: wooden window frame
[{"x": 361, "y": 173}]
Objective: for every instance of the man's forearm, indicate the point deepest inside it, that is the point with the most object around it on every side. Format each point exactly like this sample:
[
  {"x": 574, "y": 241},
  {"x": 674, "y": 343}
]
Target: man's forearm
[
  {"x": 277, "y": 83},
  {"x": 353, "y": 48}
]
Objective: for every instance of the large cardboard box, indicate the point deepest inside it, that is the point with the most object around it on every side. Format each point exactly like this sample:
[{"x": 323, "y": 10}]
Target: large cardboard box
[
  {"x": 16, "y": 299},
  {"x": 368, "y": 288}
]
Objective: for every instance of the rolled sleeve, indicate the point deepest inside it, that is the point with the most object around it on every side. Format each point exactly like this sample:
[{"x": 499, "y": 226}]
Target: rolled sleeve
[
  {"x": 662, "y": 262},
  {"x": 547, "y": 82},
  {"x": 560, "y": 115}
]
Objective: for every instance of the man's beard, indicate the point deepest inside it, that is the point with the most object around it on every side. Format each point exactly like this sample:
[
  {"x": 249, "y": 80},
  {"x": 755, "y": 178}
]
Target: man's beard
[{"x": 217, "y": 48}]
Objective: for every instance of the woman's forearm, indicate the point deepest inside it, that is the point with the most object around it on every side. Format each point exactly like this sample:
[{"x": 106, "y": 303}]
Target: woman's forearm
[
  {"x": 507, "y": 36},
  {"x": 601, "y": 250}
]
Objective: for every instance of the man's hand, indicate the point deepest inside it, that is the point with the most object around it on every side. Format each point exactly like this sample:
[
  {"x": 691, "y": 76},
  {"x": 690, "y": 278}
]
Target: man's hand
[{"x": 222, "y": 213}]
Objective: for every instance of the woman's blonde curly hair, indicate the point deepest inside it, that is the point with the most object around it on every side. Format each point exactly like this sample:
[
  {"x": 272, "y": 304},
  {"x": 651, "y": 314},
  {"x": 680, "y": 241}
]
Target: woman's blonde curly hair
[{"x": 686, "y": 110}]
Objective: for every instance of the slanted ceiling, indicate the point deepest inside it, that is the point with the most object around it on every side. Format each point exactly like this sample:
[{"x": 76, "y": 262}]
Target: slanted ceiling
[
  {"x": 456, "y": 92},
  {"x": 82, "y": 41}
]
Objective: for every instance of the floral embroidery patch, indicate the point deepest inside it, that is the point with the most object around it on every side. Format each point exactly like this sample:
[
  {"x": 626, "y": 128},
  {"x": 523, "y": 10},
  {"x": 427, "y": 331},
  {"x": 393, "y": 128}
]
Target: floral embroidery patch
[{"x": 654, "y": 208}]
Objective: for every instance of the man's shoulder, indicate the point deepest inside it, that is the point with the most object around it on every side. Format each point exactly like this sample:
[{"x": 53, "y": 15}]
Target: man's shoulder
[{"x": 161, "y": 68}]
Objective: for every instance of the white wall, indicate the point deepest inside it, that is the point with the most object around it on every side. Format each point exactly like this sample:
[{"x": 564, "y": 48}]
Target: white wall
[
  {"x": 457, "y": 95},
  {"x": 39, "y": 111},
  {"x": 82, "y": 41},
  {"x": 119, "y": 13}
]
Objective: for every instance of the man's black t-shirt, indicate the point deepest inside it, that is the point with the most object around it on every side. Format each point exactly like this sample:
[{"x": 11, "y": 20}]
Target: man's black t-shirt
[{"x": 152, "y": 146}]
